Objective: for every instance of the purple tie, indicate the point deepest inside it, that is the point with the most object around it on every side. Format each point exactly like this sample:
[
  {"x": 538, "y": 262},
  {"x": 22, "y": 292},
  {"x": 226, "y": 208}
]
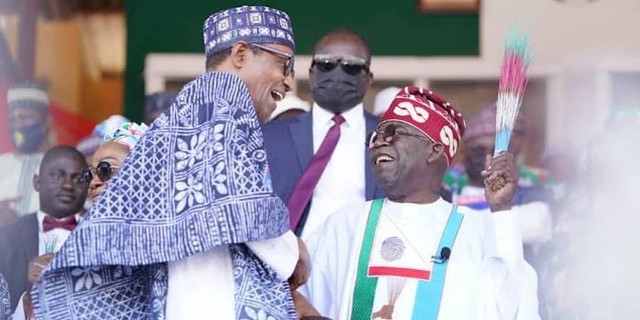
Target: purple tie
[{"x": 304, "y": 188}]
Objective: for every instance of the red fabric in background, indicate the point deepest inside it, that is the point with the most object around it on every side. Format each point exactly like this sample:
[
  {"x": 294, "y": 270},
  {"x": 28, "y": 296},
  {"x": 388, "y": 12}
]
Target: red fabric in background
[
  {"x": 69, "y": 127},
  {"x": 5, "y": 141}
]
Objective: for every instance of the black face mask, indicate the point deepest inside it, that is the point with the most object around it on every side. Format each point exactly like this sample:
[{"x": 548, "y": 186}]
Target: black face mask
[
  {"x": 338, "y": 91},
  {"x": 29, "y": 139},
  {"x": 474, "y": 160}
]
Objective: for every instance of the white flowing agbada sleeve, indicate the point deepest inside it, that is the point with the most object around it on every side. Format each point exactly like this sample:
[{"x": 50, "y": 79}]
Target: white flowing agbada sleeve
[
  {"x": 281, "y": 253},
  {"x": 208, "y": 276},
  {"x": 535, "y": 222},
  {"x": 510, "y": 282},
  {"x": 331, "y": 248}
]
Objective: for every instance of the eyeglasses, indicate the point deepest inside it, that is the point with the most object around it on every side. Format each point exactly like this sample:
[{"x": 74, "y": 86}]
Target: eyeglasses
[
  {"x": 104, "y": 171},
  {"x": 60, "y": 176},
  {"x": 389, "y": 134},
  {"x": 350, "y": 65},
  {"x": 289, "y": 58}
]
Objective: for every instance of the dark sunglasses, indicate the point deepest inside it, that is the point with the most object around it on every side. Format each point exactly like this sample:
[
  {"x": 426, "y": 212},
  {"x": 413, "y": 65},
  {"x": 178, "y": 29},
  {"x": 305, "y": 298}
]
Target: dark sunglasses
[
  {"x": 104, "y": 171},
  {"x": 288, "y": 62},
  {"x": 389, "y": 135},
  {"x": 350, "y": 65}
]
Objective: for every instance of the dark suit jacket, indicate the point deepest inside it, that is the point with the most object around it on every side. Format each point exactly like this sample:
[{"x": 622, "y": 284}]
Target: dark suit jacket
[
  {"x": 18, "y": 245},
  {"x": 289, "y": 145}
]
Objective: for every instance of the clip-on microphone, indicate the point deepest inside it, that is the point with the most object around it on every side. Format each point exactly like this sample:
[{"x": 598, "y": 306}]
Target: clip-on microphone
[{"x": 445, "y": 253}]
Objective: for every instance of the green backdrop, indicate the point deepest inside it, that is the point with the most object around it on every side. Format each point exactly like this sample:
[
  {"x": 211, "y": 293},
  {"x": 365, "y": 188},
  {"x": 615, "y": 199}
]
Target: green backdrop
[{"x": 392, "y": 27}]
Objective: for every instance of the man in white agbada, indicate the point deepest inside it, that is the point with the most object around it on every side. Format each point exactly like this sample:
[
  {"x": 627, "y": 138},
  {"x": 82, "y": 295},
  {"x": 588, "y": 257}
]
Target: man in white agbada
[
  {"x": 413, "y": 255},
  {"x": 28, "y": 126}
]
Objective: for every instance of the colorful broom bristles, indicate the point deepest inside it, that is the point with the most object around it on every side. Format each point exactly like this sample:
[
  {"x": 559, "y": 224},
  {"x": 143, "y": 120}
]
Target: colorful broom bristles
[
  {"x": 50, "y": 244},
  {"x": 513, "y": 81}
]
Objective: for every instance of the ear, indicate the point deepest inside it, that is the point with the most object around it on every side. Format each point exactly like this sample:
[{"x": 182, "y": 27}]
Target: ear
[
  {"x": 238, "y": 55},
  {"x": 311, "y": 77},
  {"x": 36, "y": 182},
  {"x": 369, "y": 80},
  {"x": 437, "y": 151}
]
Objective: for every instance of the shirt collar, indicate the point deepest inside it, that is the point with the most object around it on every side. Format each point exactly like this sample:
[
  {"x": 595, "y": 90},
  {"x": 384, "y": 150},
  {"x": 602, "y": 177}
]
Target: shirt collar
[{"x": 352, "y": 117}]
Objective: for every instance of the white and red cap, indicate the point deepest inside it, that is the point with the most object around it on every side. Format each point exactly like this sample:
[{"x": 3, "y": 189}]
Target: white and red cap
[{"x": 432, "y": 115}]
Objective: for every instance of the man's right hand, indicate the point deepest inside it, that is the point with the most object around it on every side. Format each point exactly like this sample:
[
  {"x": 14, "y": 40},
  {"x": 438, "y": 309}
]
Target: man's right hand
[
  {"x": 304, "y": 309},
  {"x": 303, "y": 267},
  {"x": 7, "y": 215},
  {"x": 34, "y": 271},
  {"x": 36, "y": 267}
]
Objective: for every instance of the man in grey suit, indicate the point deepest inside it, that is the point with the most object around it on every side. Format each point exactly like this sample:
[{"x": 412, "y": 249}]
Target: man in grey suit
[{"x": 27, "y": 245}]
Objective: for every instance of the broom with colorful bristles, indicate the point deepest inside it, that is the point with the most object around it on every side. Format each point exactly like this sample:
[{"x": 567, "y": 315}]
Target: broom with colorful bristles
[{"x": 513, "y": 81}]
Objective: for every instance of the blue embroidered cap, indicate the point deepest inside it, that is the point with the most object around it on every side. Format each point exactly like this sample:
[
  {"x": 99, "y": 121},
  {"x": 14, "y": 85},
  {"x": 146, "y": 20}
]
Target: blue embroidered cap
[
  {"x": 256, "y": 24},
  {"x": 28, "y": 94}
]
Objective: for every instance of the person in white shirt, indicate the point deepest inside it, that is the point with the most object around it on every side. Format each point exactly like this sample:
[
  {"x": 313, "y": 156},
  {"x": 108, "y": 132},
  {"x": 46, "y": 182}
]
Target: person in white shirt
[
  {"x": 413, "y": 255},
  {"x": 27, "y": 245},
  {"x": 311, "y": 155},
  {"x": 29, "y": 125}
]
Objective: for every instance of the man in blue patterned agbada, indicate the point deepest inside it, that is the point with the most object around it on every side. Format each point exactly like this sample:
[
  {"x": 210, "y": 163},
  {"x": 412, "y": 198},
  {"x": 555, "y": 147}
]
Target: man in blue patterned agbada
[{"x": 190, "y": 227}]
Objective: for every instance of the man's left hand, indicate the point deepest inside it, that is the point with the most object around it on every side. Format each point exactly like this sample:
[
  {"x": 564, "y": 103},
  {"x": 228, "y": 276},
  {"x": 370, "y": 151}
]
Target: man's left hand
[
  {"x": 500, "y": 181},
  {"x": 303, "y": 268}
]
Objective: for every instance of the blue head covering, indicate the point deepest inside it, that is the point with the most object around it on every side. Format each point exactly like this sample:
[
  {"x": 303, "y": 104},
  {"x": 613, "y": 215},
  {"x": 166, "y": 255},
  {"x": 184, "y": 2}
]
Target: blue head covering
[
  {"x": 197, "y": 179},
  {"x": 90, "y": 144},
  {"x": 256, "y": 24},
  {"x": 127, "y": 134},
  {"x": 109, "y": 125},
  {"x": 31, "y": 94}
]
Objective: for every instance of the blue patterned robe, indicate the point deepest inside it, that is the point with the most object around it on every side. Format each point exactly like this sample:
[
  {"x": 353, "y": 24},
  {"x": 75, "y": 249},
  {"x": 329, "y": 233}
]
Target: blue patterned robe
[
  {"x": 197, "y": 179},
  {"x": 5, "y": 302}
]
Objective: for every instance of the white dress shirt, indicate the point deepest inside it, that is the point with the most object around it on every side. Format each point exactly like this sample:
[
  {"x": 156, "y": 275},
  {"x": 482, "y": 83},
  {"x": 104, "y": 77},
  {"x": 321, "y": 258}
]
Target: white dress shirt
[
  {"x": 48, "y": 242},
  {"x": 52, "y": 240},
  {"x": 343, "y": 180}
]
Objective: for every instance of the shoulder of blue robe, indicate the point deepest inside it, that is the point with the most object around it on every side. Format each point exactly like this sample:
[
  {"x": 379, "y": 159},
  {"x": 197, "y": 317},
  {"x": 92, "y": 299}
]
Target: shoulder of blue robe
[
  {"x": 5, "y": 301},
  {"x": 197, "y": 179}
]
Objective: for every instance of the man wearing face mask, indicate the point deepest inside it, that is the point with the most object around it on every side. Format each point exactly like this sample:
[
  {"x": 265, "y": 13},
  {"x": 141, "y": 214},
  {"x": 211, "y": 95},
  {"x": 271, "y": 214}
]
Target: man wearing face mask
[
  {"x": 318, "y": 160},
  {"x": 29, "y": 122}
]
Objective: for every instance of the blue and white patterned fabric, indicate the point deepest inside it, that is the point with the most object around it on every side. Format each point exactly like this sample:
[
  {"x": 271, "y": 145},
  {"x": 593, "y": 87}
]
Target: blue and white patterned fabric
[
  {"x": 256, "y": 24},
  {"x": 196, "y": 180},
  {"x": 5, "y": 302}
]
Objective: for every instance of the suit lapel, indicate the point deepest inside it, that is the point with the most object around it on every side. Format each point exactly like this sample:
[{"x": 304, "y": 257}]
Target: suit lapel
[
  {"x": 370, "y": 182},
  {"x": 30, "y": 237},
  {"x": 302, "y": 135}
]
